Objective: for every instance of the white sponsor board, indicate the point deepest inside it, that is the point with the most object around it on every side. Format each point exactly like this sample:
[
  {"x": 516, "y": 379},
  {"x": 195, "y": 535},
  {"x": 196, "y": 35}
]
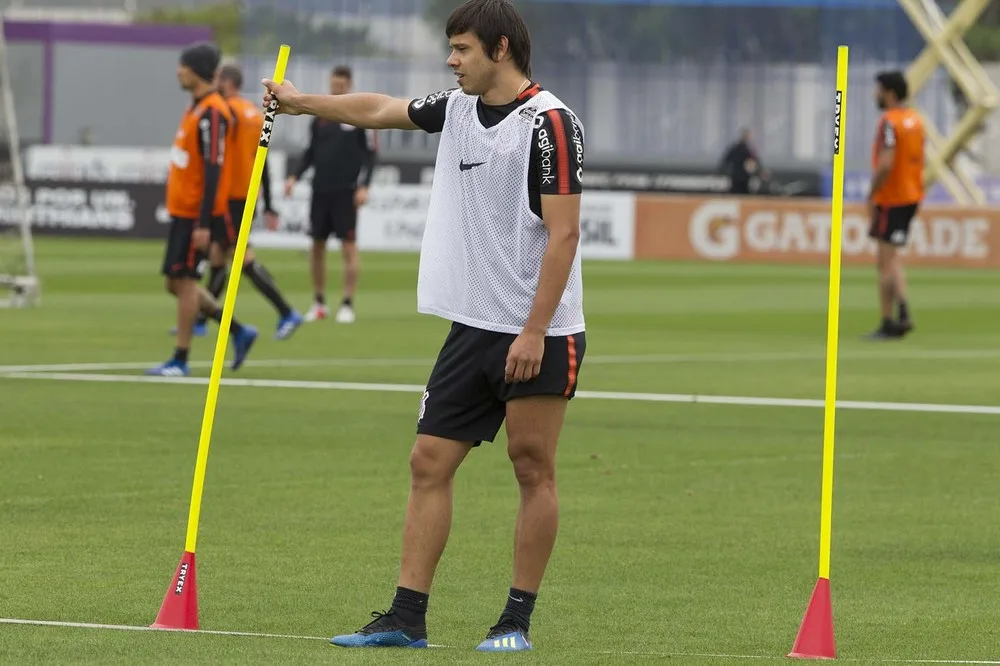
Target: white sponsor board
[{"x": 394, "y": 218}]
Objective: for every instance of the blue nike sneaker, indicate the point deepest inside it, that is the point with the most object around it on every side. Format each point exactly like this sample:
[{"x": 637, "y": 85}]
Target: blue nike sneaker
[
  {"x": 172, "y": 368},
  {"x": 242, "y": 342},
  {"x": 505, "y": 637},
  {"x": 288, "y": 325},
  {"x": 385, "y": 630}
]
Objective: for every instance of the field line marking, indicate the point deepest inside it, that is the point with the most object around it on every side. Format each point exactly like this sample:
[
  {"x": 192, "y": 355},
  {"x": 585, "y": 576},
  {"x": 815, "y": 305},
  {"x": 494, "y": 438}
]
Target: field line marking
[
  {"x": 594, "y": 395},
  {"x": 129, "y": 627},
  {"x": 707, "y": 655},
  {"x": 619, "y": 359}
]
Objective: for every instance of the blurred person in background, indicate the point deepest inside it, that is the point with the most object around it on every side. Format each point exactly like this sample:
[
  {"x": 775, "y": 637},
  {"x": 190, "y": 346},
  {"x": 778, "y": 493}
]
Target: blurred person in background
[
  {"x": 244, "y": 136},
  {"x": 741, "y": 163},
  {"x": 197, "y": 199},
  {"x": 344, "y": 160},
  {"x": 896, "y": 191}
]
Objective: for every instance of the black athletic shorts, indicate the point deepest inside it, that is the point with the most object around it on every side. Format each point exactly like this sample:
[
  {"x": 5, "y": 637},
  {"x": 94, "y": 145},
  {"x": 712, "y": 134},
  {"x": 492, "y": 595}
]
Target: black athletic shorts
[
  {"x": 182, "y": 259},
  {"x": 226, "y": 227},
  {"x": 466, "y": 392},
  {"x": 333, "y": 213},
  {"x": 892, "y": 224}
]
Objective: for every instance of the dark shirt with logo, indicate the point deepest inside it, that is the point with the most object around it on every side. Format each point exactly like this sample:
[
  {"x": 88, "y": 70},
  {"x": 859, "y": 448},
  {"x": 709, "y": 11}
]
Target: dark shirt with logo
[
  {"x": 556, "y": 148},
  {"x": 344, "y": 156}
]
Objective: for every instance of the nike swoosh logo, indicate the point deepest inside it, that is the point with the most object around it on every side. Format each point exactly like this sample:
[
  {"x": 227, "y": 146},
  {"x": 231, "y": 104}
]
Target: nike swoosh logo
[
  {"x": 516, "y": 599},
  {"x": 465, "y": 167}
]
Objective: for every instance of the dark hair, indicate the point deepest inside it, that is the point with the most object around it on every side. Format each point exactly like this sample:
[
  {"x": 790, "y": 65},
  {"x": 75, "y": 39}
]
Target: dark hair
[
  {"x": 489, "y": 20},
  {"x": 232, "y": 74},
  {"x": 342, "y": 71},
  {"x": 894, "y": 82}
]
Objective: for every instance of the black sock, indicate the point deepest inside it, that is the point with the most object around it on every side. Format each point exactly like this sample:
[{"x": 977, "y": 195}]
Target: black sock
[
  {"x": 181, "y": 355},
  {"x": 886, "y": 323},
  {"x": 411, "y": 607},
  {"x": 234, "y": 326},
  {"x": 347, "y": 301},
  {"x": 320, "y": 299},
  {"x": 216, "y": 283},
  {"x": 904, "y": 311},
  {"x": 266, "y": 286},
  {"x": 216, "y": 280},
  {"x": 520, "y": 606}
]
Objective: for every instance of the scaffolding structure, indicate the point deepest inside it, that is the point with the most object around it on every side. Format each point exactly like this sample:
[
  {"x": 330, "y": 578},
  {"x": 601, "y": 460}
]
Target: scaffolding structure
[{"x": 945, "y": 47}]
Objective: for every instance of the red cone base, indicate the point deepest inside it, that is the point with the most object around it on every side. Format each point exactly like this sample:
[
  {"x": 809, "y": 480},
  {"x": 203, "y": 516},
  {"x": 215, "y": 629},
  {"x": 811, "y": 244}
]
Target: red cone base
[
  {"x": 180, "y": 605},
  {"x": 815, "y": 639}
]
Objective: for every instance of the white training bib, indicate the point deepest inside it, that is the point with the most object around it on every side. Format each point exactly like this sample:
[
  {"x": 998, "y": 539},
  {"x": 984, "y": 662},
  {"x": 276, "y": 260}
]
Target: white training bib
[{"x": 482, "y": 248}]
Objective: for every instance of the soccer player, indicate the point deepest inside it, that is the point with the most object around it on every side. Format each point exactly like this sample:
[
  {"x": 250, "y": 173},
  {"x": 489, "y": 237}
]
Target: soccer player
[
  {"x": 344, "y": 159},
  {"x": 244, "y": 135},
  {"x": 500, "y": 260},
  {"x": 897, "y": 189},
  {"x": 197, "y": 197}
]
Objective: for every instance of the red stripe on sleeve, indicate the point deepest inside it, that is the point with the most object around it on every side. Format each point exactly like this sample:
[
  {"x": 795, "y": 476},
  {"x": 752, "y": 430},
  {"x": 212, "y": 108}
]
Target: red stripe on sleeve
[
  {"x": 213, "y": 150},
  {"x": 562, "y": 150}
]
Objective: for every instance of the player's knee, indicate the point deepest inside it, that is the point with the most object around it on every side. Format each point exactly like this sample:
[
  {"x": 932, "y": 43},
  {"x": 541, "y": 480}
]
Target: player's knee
[
  {"x": 533, "y": 466},
  {"x": 430, "y": 464}
]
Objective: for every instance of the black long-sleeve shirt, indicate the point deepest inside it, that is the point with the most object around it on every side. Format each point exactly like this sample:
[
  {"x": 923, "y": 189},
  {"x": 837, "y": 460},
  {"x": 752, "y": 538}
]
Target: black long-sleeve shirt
[
  {"x": 343, "y": 156},
  {"x": 212, "y": 128}
]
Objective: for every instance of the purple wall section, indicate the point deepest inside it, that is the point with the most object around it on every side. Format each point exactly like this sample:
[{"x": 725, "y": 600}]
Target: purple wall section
[{"x": 49, "y": 33}]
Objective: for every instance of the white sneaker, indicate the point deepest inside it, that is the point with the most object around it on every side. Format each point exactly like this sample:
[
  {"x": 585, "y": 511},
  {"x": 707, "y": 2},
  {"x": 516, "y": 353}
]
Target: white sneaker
[
  {"x": 317, "y": 311},
  {"x": 345, "y": 315}
]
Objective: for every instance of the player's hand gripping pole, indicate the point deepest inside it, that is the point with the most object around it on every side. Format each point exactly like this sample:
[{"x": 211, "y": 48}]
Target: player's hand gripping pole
[
  {"x": 815, "y": 638},
  {"x": 180, "y": 606}
]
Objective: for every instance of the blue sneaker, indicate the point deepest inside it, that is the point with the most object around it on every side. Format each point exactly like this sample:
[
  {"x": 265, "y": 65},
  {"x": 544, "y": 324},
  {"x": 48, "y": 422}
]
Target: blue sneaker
[
  {"x": 288, "y": 325},
  {"x": 384, "y": 631},
  {"x": 242, "y": 343},
  {"x": 505, "y": 637},
  {"x": 171, "y": 368}
]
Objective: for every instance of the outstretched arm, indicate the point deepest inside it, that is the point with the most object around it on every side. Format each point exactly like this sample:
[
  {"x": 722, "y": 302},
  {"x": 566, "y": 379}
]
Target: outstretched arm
[{"x": 367, "y": 110}]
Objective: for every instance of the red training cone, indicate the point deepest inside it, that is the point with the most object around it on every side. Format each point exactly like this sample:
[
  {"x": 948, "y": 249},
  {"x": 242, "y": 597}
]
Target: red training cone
[
  {"x": 815, "y": 638},
  {"x": 180, "y": 605}
]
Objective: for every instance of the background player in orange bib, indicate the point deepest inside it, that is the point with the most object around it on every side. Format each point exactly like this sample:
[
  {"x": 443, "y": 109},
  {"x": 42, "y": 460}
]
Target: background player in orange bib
[
  {"x": 197, "y": 198},
  {"x": 897, "y": 189},
  {"x": 242, "y": 139}
]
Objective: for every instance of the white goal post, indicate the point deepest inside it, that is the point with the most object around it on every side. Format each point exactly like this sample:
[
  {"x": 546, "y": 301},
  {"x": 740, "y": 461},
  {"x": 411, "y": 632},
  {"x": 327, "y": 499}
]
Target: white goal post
[{"x": 18, "y": 278}]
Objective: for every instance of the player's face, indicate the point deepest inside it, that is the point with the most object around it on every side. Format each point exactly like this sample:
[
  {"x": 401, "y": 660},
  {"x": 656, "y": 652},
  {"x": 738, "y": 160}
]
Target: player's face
[
  {"x": 339, "y": 85},
  {"x": 185, "y": 77},
  {"x": 880, "y": 97},
  {"x": 476, "y": 72}
]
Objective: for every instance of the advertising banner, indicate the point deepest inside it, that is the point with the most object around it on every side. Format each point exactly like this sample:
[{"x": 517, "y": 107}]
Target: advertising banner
[
  {"x": 751, "y": 229},
  {"x": 73, "y": 208}
]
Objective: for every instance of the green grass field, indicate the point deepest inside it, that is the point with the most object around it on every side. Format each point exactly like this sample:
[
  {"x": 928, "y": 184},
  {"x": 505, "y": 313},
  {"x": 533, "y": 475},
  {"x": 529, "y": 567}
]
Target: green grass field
[{"x": 686, "y": 528}]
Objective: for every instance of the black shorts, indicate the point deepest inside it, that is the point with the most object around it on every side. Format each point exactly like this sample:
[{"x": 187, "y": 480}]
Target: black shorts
[
  {"x": 182, "y": 259},
  {"x": 892, "y": 224},
  {"x": 225, "y": 228},
  {"x": 466, "y": 392},
  {"x": 333, "y": 213}
]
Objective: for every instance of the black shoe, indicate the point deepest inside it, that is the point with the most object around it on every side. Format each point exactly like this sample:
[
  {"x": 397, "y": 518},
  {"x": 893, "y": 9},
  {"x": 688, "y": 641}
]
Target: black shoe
[
  {"x": 887, "y": 331},
  {"x": 904, "y": 326},
  {"x": 386, "y": 630}
]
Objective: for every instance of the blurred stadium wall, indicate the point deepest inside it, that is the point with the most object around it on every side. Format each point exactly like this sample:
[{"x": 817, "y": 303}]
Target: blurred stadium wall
[{"x": 657, "y": 82}]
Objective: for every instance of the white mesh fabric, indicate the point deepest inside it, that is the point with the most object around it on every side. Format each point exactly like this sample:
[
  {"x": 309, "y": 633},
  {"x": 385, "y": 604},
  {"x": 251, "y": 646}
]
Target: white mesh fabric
[{"x": 482, "y": 248}]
